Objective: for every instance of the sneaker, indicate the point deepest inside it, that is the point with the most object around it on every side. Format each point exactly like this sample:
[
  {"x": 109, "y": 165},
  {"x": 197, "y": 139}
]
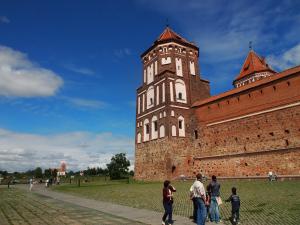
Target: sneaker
[{"x": 163, "y": 223}]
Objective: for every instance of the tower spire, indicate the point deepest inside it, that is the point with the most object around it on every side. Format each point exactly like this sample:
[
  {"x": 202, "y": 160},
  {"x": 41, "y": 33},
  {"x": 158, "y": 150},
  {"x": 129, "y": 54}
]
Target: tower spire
[
  {"x": 167, "y": 22},
  {"x": 250, "y": 45}
]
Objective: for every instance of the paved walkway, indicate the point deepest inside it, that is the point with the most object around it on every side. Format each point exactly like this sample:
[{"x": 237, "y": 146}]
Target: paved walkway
[{"x": 139, "y": 215}]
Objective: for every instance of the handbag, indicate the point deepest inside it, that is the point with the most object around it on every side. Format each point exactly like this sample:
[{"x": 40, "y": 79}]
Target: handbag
[{"x": 219, "y": 200}]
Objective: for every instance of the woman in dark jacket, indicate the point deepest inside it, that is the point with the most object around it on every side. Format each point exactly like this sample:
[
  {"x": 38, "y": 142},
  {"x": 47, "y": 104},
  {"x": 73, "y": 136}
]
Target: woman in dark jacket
[{"x": 168, "y": 201}]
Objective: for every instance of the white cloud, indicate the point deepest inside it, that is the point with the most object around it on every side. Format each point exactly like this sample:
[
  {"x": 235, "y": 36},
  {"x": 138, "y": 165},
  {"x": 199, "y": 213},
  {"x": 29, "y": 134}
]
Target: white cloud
[
  {"x": 23, "y": 151},
  {"x": 223, "y": 29},
  {"x": 120, "y": 53},
  {"x": 80, "y": 70},
  {"x": 85, "y": 103},
  {"x": 4, "y": 19},
  {"x": 19, "y": 77},
  {"x": 289, "y": 58}
]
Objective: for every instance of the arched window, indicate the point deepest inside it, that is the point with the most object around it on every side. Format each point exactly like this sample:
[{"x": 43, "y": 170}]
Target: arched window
[
  {"x": 139, "y": 138},
  {"x": 162, "y": 131},
  {"x": 174, "y": 133},
  {"x": 150, "y": 72},
  {"x": 146, "y": 130},
  {"x": 181, "y": 127},
  {"x": 154, "y": 128},
  {"x": 180, "y": 91},
  {"x": 150, "y": 97}
]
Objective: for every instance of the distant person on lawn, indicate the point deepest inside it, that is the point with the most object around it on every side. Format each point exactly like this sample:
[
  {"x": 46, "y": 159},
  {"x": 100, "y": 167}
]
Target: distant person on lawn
[
  {"x": 200, "y": 197},
  {"x": 168, "y": 202},
  {"x": 235, "y": 206},
  {"x": 30, "y": 184},
  {"x": 214, "y": 189}
]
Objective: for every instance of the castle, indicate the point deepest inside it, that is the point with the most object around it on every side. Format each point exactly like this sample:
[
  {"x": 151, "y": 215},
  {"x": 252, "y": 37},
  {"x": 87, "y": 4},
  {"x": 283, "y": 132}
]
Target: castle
[{"x": 244, "y": 132}]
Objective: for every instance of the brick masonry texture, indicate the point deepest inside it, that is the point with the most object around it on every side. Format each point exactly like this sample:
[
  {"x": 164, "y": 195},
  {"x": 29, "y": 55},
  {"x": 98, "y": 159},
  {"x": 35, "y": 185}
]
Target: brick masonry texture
[{"x": 246, "y": 131}]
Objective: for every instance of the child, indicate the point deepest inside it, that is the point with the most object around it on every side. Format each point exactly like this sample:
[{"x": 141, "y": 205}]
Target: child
[
  {"x": 207, "y": 203},
  {"x": 235, "y": 206}
]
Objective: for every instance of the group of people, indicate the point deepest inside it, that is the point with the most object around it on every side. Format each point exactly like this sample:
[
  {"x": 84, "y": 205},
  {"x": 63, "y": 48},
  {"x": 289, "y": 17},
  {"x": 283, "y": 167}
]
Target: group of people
[{"x": 205, "y": 201}]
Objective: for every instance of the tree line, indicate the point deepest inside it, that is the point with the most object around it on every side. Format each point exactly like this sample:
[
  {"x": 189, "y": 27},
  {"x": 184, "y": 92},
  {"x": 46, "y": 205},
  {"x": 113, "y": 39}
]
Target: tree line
[{"x": 118, "y": 168}]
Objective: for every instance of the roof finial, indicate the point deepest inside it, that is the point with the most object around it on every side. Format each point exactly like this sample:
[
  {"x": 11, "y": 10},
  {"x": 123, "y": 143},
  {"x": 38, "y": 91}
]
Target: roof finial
[
  {"x": 250, "y": 45},
  {"x": 167, "y": 22}
]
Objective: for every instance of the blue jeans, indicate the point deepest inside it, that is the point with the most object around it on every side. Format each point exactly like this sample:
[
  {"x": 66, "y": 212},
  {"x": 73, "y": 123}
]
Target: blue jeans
[
  {"x": 214, "y": 210},
  {"x": 168, "y": 212},
  {"x": 201, "y": 211}
]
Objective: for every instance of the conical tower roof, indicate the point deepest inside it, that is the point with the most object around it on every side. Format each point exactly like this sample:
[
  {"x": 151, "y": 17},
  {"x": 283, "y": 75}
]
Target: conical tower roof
[{"x": 253, "y": 64}]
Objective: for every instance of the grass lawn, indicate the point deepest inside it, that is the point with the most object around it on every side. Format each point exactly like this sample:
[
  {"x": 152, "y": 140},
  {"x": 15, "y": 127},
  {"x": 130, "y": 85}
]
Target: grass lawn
[
  {"x": 20, "y": 207},
  {"x": 262, "y": 202}
]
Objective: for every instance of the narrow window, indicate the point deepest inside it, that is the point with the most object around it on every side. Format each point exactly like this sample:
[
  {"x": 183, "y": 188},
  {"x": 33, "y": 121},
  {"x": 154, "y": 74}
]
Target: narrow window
[
  {"x": 179, "y": 95},
  {"x": 155, "y": 125},
  {"x": 274, "y": 88},
  {"x": 151, "y": 101},
  {"x": 196, "y": 134},
  {"x": 288, "y": 83},
  {"x": 147, "y": 129},
  {"x": 180, "y": 124},
  {"x": 287, "y": 142}
]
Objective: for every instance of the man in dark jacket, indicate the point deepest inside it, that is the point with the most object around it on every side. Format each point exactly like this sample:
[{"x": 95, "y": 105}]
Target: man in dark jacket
[{"x": 214, "y": 189}]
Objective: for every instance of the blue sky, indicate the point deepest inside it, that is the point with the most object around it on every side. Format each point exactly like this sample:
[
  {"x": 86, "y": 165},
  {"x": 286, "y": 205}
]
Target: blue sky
[{"x": 69, "y": 69}]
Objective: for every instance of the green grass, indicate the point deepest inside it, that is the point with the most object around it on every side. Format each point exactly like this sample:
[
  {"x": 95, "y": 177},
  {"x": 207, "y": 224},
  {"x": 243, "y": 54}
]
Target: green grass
[
  {"x": 262, "y": 202},
  {"x": 21, "y": 207}
]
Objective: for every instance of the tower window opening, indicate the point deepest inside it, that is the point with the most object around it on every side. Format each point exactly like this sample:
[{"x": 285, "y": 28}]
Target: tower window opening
[
  {"x": 180, "y": 124},
  {"x": 179, "y": 95},
  {"x": 196, "y": 134},
  {"x": 155, "y": 125}
]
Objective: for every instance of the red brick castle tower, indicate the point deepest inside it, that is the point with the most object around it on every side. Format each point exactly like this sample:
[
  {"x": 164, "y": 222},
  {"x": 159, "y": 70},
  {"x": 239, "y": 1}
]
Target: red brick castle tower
[{"x": 171, "y": 84}]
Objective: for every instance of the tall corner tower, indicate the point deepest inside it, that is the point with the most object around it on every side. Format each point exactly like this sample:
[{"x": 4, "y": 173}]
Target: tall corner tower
[{"x": 171, "y": 84}]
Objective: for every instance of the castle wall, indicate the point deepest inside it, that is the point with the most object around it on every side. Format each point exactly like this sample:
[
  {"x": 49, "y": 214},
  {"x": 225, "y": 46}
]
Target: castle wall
[
  {"x": 269, "y": 95},
  {"x": 251, "y": 146},
  {"x": 165, "y": 158}
]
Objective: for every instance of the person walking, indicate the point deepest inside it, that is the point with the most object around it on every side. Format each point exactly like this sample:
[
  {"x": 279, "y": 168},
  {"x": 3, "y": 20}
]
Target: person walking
[
  {"x": 214, "y": 189},
  {"x": 192, "y": 197},
  {"x": 200, "y": 198},
  {"x": 30, "y": 184},
  {"x": 168, "y": 202}
]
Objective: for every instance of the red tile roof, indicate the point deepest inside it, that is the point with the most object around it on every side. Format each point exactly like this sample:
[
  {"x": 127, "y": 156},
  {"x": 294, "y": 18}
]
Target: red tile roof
[
  {"x": 169, "y": 35},
  {"x": 280, "y": 75},
  {"x": 253, "y": 64}
]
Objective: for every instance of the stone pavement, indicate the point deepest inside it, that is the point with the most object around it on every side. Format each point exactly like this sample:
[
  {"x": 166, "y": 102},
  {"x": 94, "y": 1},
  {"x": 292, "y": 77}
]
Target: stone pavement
[{"x": 140, "y": 215}]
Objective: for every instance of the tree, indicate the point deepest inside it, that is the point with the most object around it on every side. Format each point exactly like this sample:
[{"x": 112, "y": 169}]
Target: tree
[
  {"x": 38, "y": 172},
  {"x": 47, "y": 173},
  {"x": 118, "y": 166}
]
